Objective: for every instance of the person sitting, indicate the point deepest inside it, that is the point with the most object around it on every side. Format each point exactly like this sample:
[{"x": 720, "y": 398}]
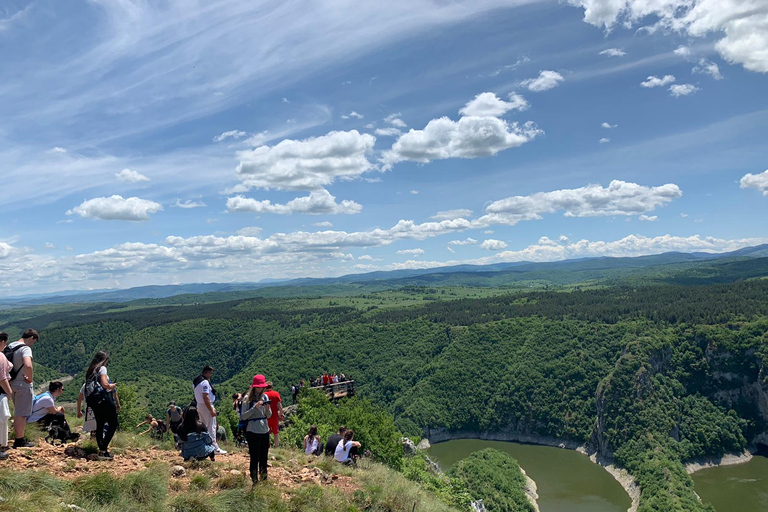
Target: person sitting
[
  {"x": 197, "y": 442},
  {"x": 44, "y": 407},
  {"x": 312, "y": 443},
  {"x": 333, "y": 441},
  {"x": 347, "y": 449}
]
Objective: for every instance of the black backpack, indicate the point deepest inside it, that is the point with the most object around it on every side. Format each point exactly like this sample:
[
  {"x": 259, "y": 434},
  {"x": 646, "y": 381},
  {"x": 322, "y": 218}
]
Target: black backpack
[
  {"x": 94, "y": 393},
  {"x": 9, "y": 353}
]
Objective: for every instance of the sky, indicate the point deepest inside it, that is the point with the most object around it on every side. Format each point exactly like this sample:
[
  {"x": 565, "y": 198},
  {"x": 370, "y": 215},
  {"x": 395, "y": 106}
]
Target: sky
[{"x": 179, "y": 141}]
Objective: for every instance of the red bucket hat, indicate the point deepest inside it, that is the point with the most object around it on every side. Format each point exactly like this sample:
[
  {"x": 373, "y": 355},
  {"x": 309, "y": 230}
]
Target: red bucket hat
[{"x": 259, "y": 381}]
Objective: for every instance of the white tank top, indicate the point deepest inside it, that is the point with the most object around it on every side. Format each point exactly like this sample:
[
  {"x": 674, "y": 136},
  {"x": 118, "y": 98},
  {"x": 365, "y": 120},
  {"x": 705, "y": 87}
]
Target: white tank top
[
  {"x": 342, "y": 452},
  {"x": 311, "y": 446}
]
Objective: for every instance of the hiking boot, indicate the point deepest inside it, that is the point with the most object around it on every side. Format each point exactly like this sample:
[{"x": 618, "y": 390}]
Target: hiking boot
[
  {"x": 105, "y": 455},
  {"x": 3, "y": 455},
  {"x": 22, "y": 443}
]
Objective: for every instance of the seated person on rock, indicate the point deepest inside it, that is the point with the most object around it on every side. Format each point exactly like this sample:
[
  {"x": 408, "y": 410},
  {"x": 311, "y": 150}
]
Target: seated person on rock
[
  {"x": 347, "y": 449},
  {"x": 197, "y": 442},
  {"x": 44, "y": 407}
]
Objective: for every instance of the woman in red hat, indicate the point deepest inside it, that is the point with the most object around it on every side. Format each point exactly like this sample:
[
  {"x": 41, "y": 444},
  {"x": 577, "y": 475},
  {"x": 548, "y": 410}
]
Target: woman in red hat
[{"x": 255, "y": 412}]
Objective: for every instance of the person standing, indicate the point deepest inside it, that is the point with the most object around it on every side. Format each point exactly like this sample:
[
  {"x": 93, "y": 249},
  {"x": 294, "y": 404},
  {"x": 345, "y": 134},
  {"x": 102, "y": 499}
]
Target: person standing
[
  {"x": 205, "y": 396},
  {"x": 256, "y": 412},
  {"x": 6, "y": 392},
  {"x": 100, "y": 396},
  {"x": 22, "y": 384},
  {"x": 276, "y": 404},
  {"x": 174, "y": 417}
]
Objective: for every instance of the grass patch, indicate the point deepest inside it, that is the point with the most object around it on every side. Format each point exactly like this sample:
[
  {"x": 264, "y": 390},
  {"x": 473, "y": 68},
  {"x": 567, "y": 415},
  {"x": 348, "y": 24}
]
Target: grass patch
[
  {"x": 200, "y": 482},
  {"x": 100, "y": 489}
]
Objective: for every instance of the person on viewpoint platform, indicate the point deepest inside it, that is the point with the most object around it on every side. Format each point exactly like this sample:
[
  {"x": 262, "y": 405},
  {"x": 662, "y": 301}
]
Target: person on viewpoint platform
[
  {"x": 276, "y": 404},
  {"x": 204, "y": 398},
  {"x": 22, "y": 384},
  {"x": 255, "y": 412}
]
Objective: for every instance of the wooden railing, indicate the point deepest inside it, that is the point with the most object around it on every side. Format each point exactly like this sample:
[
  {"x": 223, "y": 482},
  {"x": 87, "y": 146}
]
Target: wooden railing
[{"x": 338, "y": 389}]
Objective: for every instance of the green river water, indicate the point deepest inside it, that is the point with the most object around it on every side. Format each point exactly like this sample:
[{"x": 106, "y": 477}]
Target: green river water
[
  {"x": 740, "y": 488},
  {"x": 567, "y": 480}
]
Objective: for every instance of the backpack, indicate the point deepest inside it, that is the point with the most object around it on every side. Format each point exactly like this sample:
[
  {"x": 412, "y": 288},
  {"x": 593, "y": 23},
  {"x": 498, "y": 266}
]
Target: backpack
[
  {"x": 94, "y": 393},
  {"x": 9, "y": 353}
]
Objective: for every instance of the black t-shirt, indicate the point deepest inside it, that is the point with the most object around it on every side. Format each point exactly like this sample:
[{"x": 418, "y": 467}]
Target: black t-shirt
[{"x": 330, "y": 446}]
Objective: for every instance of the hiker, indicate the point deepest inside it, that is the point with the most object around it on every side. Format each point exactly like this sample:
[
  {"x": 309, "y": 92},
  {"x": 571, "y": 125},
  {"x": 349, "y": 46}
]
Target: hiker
[
  {"x": 196, "y": 441},
  {"x": 335, "y": 439},
  {"x": 21, "y": 381},
  {"x": 312, "y": 443},
  {"x": 326, "y": 379},
  {"x": 256, "y": 411},
  {"x": 294, "y": 392},
  {"x": 276, "y": 404},
  {"x": 44, "y": 407},
  {"x": 157, "y": 428},
  {"x": 89, "y": 423},
  {"x": 205, "y": 395},
  {"x": 335, "y": 379},
  {"x": 5, "y": 392},
  {"x": 346, "y": 450},
  {"x": 174, "y": 416},
  {"x": 100, "y": 398}
]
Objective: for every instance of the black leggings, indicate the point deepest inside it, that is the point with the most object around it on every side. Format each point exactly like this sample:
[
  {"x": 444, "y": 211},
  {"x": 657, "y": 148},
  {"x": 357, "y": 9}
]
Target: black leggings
[
  {"x": 105, "y": 412},
  {"x": 258, "y": 448}
]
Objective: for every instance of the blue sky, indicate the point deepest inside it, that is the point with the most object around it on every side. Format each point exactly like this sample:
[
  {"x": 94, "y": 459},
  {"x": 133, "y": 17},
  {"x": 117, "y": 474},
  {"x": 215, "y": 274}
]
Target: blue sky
[{"x": 183, "y": 141}]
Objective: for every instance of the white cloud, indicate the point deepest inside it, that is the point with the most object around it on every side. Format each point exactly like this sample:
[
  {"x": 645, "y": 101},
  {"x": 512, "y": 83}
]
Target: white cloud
[
  {"x": 519, "y": 62},
  {"x": 231, "y": 134},
  {"x": 412, "y": 252},
  {"x": 388, "y": 132},
  {"x": 415, "y": 192},
  {"x": 452, "y": 214},
  {"x": 285, "y": 100},
  {"x": 609, "y": 126},
  {"x": 654, "y": 81},
  {"x": 604, "y": 140},
  {"x": 682, "y": 51},
  {"x": 307, "y": 164},
  {"x": 613, "y": 52},
  {"x": 468, "y": 241},
  {"x": 324, "y": 224},
  {"x": 394, "y": 120},
  {"x": 707, "y": 67},
  {"x": 318, "y": 202},
  {"x": 619, "y": 198},
  {"x": 469, "y": 137},
  {"x": 678, "y": 90},
  {"x": 493, "y": 245},
  {"x": 249, "y": 231},
  {"x": 488, "y": 104},
  {"x": 546, "y": 80},
  {"x": 130, "y": 176},
  {"x": 648, "y": 218},
  {"x": 741, "y": 24},
  {"x": 49, "y": 245},
  {"x": 756, "y": 181},
  {"x": 188, "y": 204},
  {"x": 488, "y": 232},
  {"x": 683, "y": 215},
  {"x": 57, "y": 149},
  {"x": 367, "y": 257},
  {"x": 116, "y": 208},
  {"x": 352, "y": 114}
]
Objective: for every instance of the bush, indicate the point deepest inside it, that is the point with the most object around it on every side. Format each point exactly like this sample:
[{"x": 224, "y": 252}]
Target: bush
[{"x": 496, "y": 478}]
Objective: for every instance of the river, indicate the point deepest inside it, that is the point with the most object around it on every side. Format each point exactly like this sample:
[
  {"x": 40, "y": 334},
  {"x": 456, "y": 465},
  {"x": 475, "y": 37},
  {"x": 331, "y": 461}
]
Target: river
[
  {"x": 567, "y": 480},
  {"x": 739, "y": 488}
]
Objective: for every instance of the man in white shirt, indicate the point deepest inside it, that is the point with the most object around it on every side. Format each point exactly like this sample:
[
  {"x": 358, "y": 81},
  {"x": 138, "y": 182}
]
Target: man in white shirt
[
  {"x": 44, "y": 406},
  {"x": 204, "y": 396}
]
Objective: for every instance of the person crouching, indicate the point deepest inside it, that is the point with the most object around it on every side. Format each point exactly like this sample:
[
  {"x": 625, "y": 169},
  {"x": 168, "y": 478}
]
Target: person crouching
[
  {"x": 256, "y": 411},
  {"x": 196, "y": 441}
]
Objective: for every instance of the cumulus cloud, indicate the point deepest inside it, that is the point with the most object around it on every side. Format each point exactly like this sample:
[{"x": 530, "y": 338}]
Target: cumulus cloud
[
  {"x": 188, "y": 204},
  {"x": 682, "y": 51},
  {"x": 488, "y": 104},
  {"x": 395, "y": 120},
  {"x": 116, "y": 208},
  {"x": 468, "y": 241},
  {"x": 469, "y": 137},
  {"x": 742, "y": 25},
  {"x": 613, "y": 52},
  {"x": 493, "y": 245},
  {"x": 130, "y": 176},
  {"x": 452, "y": 214},
  {"x": 307, "y": 164},
  {"x": 57, "y": 149},
  {"x": 609, "y": 126},
  {"x": 231, "y": 134},
  {"x": 756, "y": 181},
  {"x": 546, "y": 80},
  {"x": 318, "y": 202},
  {"x": 678, "y": 90},
  {"x": 604, "y": 140},
  {"x": 388, "y": 132},
  {"x": 648, "y": 218},
  {"x": 619, "y": 198},
  {"x": 654, "y": 81},
  {"x": 412, "y": 252},
  {"x": 352, "y": 114},
  {"x": 324, "y": 224},
  {"x": 707, "y": 67}
]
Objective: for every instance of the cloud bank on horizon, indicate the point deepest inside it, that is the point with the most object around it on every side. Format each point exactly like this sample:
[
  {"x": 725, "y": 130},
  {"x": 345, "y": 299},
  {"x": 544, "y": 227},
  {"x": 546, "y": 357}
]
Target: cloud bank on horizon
[{"x": 169, "y": 142}]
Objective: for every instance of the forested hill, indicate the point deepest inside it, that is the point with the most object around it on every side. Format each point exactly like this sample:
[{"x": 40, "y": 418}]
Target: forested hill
[{"x": 652, "y": 376}]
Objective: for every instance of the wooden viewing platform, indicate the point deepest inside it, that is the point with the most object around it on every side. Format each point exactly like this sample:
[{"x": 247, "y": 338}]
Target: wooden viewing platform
[{"x": 337, "y": 390}]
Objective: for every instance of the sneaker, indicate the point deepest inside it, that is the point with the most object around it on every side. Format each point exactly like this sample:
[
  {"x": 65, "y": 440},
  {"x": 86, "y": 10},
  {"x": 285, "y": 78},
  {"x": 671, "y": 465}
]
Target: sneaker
[
  {"x": 23, "y": 444},
  {"x": 105, "y": 456},
  {"x": 220, "y": 452},
  {"x": 3, "y": 455}
]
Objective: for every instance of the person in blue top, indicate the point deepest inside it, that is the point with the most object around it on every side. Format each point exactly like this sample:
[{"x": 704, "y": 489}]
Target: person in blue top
[
  {"x": 44, "y": 406},
  {"x": 197, "y": 442}
]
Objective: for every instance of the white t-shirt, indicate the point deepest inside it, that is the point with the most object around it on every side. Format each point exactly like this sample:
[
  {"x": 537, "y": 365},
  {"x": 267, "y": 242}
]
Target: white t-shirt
[
  {"x": 342, "y": 451},
  {"x": 18, "y": 363},
  {"x": 311, "y": 445},
  {"x": 40, "y": 406},
  {"x": 202, "y": 389}
]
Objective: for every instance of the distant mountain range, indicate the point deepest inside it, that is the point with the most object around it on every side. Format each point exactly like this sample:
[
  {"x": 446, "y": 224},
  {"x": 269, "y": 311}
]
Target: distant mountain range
[{"x": 671, "y": 267}]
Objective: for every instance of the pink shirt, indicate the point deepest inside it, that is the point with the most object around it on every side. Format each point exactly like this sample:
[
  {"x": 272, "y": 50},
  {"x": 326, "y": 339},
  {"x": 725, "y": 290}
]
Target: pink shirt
[{"x": 5, "y": 367}]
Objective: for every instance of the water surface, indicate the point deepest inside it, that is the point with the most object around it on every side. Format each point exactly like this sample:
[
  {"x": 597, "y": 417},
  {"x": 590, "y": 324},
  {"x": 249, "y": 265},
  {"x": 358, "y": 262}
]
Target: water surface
[
  {"x": 567, "y": 480},
  {"x": 739, "y": 488}
]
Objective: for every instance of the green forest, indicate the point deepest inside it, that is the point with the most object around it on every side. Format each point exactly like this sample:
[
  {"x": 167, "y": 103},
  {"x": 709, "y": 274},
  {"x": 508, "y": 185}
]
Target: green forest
[{"x": 651, "y": 376}]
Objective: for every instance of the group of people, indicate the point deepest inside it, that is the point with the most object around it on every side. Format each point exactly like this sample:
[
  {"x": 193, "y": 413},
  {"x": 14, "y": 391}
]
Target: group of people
[
  {"x": 329, "y": 378},
  {"x": 341, "y": 446}
]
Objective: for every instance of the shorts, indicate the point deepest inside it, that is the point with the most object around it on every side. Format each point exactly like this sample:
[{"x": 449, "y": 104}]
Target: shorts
[
  {"x": 23, "y": 397},
  {"x": 274, "y": 426}
]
